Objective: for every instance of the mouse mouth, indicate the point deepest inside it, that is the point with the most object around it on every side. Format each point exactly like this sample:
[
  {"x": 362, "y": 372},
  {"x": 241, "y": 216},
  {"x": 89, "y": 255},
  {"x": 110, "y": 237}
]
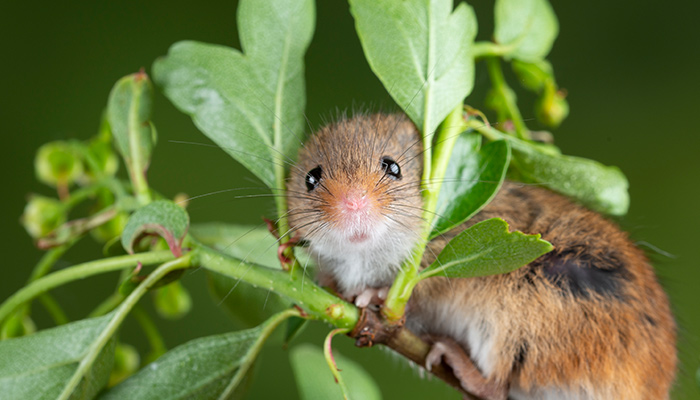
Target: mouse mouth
[{"x": 358, "y": 237}]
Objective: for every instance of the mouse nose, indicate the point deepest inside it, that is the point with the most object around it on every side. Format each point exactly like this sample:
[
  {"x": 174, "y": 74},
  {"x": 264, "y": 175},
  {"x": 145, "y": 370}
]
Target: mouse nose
[{"x": 355, "y": 201}]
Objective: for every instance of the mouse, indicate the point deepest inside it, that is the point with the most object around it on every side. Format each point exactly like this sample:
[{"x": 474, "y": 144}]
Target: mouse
[{"x": 589, "y": 320}]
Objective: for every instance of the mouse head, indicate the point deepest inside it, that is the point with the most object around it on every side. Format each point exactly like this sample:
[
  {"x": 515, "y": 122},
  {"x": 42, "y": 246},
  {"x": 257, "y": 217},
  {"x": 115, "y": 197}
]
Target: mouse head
[{"x": 356, "y": 185}]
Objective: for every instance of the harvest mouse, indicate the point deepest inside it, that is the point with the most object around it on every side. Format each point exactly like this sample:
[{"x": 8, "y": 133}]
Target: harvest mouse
[{"x": 585, "y": 321}]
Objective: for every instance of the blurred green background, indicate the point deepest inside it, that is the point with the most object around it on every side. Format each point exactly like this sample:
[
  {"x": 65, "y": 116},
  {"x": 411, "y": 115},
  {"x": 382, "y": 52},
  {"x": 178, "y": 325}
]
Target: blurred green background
[{"x": 630, "y": 69}]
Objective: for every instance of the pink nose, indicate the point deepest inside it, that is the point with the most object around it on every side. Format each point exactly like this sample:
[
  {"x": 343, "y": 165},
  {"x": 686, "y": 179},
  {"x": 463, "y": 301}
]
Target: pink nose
[{"x": 355, "y": 202}]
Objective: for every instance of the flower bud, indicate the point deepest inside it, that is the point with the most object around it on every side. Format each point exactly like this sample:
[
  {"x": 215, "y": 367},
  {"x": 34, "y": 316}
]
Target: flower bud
[
  {"x": 126, "y": 362},
  {"x": 533, "y": 76},
  {"x": 42, "y": 215},
  {"x": 17, "y": 325},
  {"x": 552, "y": 108},
  {"x": 57, "y": 163},
  {"x": 172, "y": 301},
  {"x": 103, "y": 161}
]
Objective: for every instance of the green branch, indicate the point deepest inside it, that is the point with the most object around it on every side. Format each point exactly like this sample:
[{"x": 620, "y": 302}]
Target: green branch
[
  {"x": 508, "y": 96},
  {"x": 77, "y": 272},
  {"x": 303, "y": 292}
]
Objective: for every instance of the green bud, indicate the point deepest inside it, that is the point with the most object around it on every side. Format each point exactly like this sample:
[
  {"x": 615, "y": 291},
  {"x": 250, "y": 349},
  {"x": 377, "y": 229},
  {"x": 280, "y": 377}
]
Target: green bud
[
  {"x": 42, "y": 215},
  {"x": 552, "y": 108},
  {"x": 58, "y": 163},
  {"x": 533, "y": 76},
  {"x": 126, "y": 362},
  {"x": 17, "y": 325},
  {"x": 110, "y": 229},
  {"x": 172, "y": 301},
  {"x": 102, "y": 161}
]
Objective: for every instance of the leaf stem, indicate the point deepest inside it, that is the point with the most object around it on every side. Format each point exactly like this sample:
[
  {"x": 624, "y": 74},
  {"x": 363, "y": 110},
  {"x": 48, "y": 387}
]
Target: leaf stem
[
  {"x": 328, "y": 354},
  {"x": 508, "y": 96},
  {"x": 407, "y": 278},
  {"x": 107, "y": 305},
  {"x": 53, "y": 308},
  {"x": 269, "y": 326},
  {"x": 49, "y": 259},
  {"x": 491, "y": 49},
  {"x": 116, "y": 320},
  {"x": 77, "y": 272},
  {"x": 155, "y": 339}
]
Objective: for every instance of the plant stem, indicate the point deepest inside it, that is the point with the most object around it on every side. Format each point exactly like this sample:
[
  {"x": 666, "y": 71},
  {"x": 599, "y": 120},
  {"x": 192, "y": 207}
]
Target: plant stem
[
  {"x": 490, "y": 49},
  {"x": 307, "y": 295},
  {"x": 155, "y": 339},
  {"x": 252, "y": 354},
  {"x": 117, "y": 319},
  {"x": 508, "y": 96},
  {"x": 49, "y": 259},
  {"x": 76, "y": 272},
  {"x": 328, "y": 354},
  {"x": 407, "y": 278},
  {"x": 107, "y": 305},
  {"x": 55, "y": 311}
]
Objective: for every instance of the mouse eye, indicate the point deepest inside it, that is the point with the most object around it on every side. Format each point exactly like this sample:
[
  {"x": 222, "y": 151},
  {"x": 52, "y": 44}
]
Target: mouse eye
[
  {"x": 313, "y": 178},
  {"x": 391, "y": 168}
]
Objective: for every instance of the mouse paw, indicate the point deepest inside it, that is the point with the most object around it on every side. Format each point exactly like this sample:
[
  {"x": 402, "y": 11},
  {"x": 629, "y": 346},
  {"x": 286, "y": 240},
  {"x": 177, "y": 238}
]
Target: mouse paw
[
  {"x": 470, "y": 378},
  {"x": 371, "y": 296}
]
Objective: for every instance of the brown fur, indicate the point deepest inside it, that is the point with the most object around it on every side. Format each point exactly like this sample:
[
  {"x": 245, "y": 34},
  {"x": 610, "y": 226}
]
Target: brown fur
[{"x": 626, "y": 345}]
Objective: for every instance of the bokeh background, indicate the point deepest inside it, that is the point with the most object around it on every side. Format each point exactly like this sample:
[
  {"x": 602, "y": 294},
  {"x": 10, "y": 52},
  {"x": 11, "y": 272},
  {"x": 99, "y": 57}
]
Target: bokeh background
[{"x": 630, "y": 67}]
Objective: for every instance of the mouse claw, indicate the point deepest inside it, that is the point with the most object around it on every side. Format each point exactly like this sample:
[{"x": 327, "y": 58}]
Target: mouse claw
[
  {"x": 371, "y": 296},
  {"x": 434, "y": 356}
]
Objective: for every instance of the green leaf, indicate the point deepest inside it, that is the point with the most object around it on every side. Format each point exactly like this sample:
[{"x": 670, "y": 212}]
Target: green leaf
[
  {"x": 162, "y": 217},
  {"x": 251, "y": 104},
  {"x": 421, "y": 52},
  {"x": 487, "y": 248},
  {"x": 129, "y": 116},
  {"x": 472, "y": 179},
  {"x": 528, "y": 26},
  {"x": 246, "y": 304},
  {"x": 198, "y": 369},
  {"x": 39, "y": 366},
  {"x": 315, "y": 380},
  {"x": 599, "y": 187},
  {"x": 206, "y": 368}
]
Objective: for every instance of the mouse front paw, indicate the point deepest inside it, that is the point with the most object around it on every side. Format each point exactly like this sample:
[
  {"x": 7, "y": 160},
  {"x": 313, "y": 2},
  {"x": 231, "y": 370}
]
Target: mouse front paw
[
  {"x": 371, "y": 296},
  {"x": 470, "y": 378}
]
